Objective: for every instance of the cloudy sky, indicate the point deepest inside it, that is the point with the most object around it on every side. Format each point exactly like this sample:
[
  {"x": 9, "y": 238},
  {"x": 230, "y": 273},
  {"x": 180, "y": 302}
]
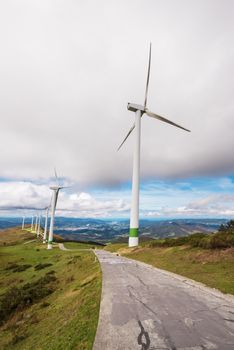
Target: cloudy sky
[{"x": 68, "y": 69}]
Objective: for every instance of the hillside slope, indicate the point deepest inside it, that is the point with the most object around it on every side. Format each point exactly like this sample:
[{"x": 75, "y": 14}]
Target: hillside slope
[
  {"x": 49, "y": 299},
  {"x": 213, "y": 267}
]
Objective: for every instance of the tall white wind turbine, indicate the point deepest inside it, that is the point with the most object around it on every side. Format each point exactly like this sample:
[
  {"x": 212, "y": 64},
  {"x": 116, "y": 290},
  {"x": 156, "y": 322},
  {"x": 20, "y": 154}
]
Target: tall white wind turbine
[
  {"x": 139, "y": 112},
  {"x": 55, "y": 190}
]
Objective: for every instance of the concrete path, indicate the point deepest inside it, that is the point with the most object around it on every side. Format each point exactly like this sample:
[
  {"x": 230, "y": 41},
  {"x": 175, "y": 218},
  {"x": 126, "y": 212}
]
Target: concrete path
[
  {"x": 146, "y": 308},
  {"x": 33, "y": 240},
  {"x": 62, "y": 247}
]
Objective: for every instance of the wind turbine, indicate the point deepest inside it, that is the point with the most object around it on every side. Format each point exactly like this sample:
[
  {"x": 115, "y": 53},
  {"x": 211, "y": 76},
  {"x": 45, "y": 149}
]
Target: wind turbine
[
  {"x": 32, "y": 223},
  {"x": 55, "y": 190},
  {"x": 139, "y": 112},
  {"x": 38, "y": 226},
  {"x": 36, "y": 221},
  {"x": 23, "y": 219},
  {"x": 46, "y": 222}
]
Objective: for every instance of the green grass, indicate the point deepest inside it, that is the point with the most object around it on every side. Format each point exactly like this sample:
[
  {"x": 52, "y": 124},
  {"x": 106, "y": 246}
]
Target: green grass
[
  {"x": 211, "y": 267},
  {"x": 115, "y": 247},
  {"x": 74, "y": 245},
  {"x": 65, "y": 319}
]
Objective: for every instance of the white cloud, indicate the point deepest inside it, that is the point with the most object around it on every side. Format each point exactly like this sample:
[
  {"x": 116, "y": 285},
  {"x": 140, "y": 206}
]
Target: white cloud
[
  {"x": 221, "y": 205},
  {"x": 161, "y": 201},
  {"x": 23, "y": 195},
  {"x": 26, "y": 196},
  {"x": 69, "y": 68}
]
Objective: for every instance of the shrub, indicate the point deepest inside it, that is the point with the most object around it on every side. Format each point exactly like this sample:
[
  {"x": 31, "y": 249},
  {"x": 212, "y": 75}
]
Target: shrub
[
  {"x": 222, "y": 240},
  {"x": 17, "y": 338},
  {"x": 21, "y": 268},
  {"x": 19, "y": 298},
  {"x": 229, "y": 226},
  {"x": 18, "y": 268},
  {"x": 169, "y": 242},
  {"x": 42, "y": 266},
  {"x": 45, "y": 304},
  {"x": 199, "y": 240}
]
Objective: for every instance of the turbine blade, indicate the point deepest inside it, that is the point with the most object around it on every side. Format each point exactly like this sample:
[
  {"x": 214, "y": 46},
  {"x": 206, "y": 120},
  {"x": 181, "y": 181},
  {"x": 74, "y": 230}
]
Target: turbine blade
[
  {"x": 50, "y": 201},
  {"x": 148, "y": 76},
  {"x": 55, "y": 173},
  {"x": 156, "y": 116},
  {"x": 56, "y": 197},
  {"x": 56, "y": 176},
  {"x": 126, "y": 137},
  {"x": 56, "y": 200}
]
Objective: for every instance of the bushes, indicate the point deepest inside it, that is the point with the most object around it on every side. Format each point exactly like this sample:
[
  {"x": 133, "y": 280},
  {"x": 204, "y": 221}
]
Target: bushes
[
  {"x": 19, "y": 298},
  {"x": 193, "y": 240},
  {"x": 200, "y": 240},
  {"x": 224, "y": 238},
  {"x": 228, "y": 227},
  {"x": 221, "y": 239},
  {"x": 18, "y": 268},
  {"x": 42, "y": 266}
]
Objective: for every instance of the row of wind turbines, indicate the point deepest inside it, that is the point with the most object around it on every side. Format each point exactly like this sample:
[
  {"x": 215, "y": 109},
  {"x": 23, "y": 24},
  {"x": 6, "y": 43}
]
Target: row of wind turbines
[
  {"x": 36, "y": 225},
  {"x": 139, "y": 111}
]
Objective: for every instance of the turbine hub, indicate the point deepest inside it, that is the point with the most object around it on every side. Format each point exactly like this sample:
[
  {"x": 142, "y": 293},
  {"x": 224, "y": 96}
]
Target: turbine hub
[{"x": 134, "y": 107}]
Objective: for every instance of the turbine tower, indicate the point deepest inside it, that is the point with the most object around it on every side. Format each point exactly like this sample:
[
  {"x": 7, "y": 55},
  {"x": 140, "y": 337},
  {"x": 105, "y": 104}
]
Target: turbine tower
[
  {"x": 55, "y": 190},
  {"x": 139, "y": 111},
  {"x": 46, "y": 223},
  {"x": 32, "y": 223},
  {"x": 38, "y": 226},
  {"x": 23, "y": 219},
  {"x": 36, "y": 221}
]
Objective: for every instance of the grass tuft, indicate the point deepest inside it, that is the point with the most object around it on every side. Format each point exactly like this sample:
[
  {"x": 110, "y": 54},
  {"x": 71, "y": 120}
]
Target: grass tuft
[
  {"x": 18, "y": 268},
  {"x": 42, "y": 266}
]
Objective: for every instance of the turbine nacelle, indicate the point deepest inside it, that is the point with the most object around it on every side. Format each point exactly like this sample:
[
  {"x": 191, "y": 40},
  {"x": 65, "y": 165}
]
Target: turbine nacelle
[
  {"x": 134, "y": 107},
  {"x": 55, "y": 188}
]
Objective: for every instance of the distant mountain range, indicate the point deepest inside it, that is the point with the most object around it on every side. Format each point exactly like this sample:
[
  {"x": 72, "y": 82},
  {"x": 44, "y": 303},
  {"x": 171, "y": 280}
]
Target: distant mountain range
[{"x": 106, "y": 230}]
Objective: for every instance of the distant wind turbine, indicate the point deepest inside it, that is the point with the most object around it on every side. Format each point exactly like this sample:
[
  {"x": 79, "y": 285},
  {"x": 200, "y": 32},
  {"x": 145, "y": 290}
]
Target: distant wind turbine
[
  {"x": 23, "y": 219},
  {"x": 139, "y": 112},
  {"x": 55, "y": 190},
  {"x": 38, "y": 226},
  {"x": 32, "y": 223},
  {"x": 46, "y": 222},
  {"x": 36, "y": 221}
]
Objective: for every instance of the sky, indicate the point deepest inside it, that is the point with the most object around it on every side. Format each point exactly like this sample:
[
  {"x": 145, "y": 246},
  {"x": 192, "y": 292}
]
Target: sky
[{"x": 68, "y": 70}]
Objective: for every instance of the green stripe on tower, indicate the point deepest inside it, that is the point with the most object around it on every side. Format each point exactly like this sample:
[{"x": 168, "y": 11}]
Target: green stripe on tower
[{"x": 133, "y": 232}]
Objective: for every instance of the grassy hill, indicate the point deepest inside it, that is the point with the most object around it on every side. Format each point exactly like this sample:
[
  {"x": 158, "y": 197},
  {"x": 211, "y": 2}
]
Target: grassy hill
[
  {"x": 204, "y": 258},
  {"x": 48, "y": 299}
]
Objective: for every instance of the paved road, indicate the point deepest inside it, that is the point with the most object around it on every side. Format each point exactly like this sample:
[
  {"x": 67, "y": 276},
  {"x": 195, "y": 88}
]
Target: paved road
[
  {"x": 62, "y": 247},
  {"x": 146, "y": 308},
  {"x": 33, "y": 240}
]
